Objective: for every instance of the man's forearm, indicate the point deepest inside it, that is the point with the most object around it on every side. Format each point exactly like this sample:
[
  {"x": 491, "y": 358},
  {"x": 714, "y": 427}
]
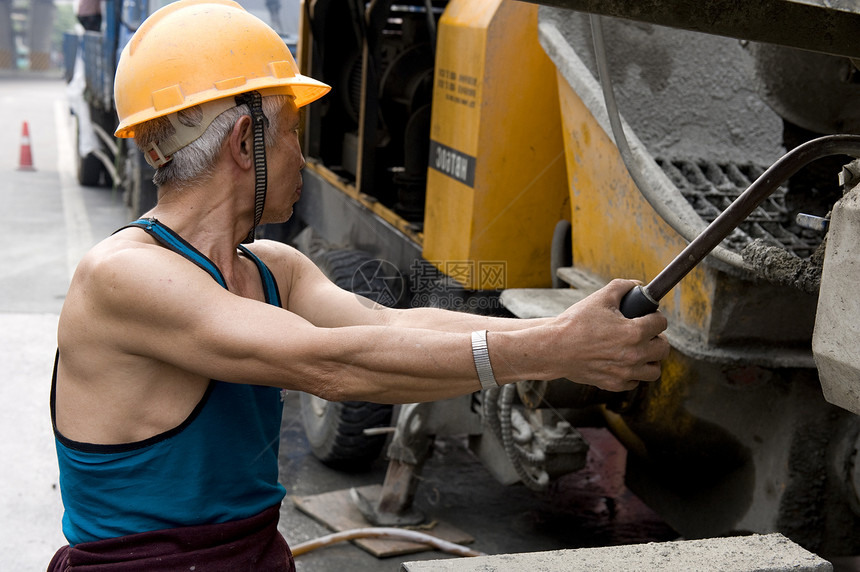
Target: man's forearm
[
  {"x": 427, "y": 354},
  {"x": 451, "y": 321},
  {"x": 407, "y": 365}
]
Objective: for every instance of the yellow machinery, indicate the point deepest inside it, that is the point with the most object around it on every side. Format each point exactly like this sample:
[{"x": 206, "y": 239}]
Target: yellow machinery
[
  {"x": 486, "y": 221},
  {"x": 496, "y": 184},
  {"x": 465, "y": 159},
  {"x": 736, "y": 436}
]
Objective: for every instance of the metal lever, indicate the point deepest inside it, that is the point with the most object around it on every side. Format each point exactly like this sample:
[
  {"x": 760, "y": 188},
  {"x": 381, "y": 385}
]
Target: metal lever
[{"x": 643, "y": 300}]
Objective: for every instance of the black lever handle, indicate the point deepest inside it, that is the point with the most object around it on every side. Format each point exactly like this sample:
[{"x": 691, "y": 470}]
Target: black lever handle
[{"x": 637, "y": 303}]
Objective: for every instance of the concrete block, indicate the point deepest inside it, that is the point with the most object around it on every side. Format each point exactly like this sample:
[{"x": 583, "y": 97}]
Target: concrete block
[
  {"x": 837, "y": 330},
  {"x": 760, "y": 553}
]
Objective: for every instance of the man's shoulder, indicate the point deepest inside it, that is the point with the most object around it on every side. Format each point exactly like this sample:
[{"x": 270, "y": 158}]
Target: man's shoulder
[
  {"x": 272, "y": 248},
  {"x": 278, "y": 256},
  {"x": 119, "y": 282},
  {"x": 119, "y": 249},
  {"x": 126, "y": 258}
]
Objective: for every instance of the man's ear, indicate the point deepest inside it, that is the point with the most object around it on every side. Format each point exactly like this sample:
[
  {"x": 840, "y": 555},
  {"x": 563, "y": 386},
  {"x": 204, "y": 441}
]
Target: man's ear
[{"x": 240, "y": 143}]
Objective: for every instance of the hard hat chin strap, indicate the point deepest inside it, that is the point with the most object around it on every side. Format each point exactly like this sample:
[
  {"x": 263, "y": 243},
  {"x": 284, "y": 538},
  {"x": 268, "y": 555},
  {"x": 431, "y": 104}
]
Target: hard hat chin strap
[{"x": 259, "y": 122}]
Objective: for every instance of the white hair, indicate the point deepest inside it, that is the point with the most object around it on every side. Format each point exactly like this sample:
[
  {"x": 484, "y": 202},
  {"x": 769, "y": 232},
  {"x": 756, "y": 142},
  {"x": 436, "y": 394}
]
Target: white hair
[{"x": 196, "y": 160}]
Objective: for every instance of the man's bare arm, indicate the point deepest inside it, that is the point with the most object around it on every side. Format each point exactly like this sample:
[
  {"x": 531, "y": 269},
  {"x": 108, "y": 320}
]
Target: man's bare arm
[
  {"x": 592, "y": 322},
  {"x": 161, "y": 307},
  {"x": 313, "y": 296}
]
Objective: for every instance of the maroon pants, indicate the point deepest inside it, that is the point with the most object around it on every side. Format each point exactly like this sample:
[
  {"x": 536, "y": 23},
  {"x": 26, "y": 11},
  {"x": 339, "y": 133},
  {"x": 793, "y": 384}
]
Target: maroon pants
[{"x": 253, "y": 544}]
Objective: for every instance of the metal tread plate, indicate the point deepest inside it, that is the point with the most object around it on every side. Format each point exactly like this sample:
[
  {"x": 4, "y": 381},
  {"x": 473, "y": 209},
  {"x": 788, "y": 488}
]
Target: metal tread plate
[{"x": 710, "y": 188}]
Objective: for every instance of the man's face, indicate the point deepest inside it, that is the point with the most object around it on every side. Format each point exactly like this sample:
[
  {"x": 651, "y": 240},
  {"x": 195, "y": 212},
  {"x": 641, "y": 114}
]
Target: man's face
[{"x": 285, "y": 163}]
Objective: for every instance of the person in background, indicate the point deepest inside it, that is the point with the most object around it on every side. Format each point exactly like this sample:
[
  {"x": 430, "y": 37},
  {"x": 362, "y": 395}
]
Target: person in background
[{"x": 90, "y": 14}]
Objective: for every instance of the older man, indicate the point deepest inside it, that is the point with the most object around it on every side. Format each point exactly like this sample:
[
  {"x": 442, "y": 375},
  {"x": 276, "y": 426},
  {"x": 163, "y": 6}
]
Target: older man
[{"x": 176, "y": 338}]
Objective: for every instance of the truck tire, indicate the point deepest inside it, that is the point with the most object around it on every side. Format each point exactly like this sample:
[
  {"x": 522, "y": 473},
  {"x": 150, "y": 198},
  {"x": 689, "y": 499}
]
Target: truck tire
[
  {"x": 335, "y": 431},
  {"x": 143, "y": 193},
  {"x": 359, "y": 272},
  {"x": 89, "y": 171}
]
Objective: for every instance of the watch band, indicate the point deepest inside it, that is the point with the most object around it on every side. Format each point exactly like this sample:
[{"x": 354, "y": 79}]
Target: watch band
[{"x": 482, "y": 360}]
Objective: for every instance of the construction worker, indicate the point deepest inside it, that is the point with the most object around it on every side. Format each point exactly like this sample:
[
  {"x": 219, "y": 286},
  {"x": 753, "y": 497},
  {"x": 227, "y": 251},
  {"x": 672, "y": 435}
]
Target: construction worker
[
  {"x": 180, "y": 330},
  {"x": 90, "y": 14}
]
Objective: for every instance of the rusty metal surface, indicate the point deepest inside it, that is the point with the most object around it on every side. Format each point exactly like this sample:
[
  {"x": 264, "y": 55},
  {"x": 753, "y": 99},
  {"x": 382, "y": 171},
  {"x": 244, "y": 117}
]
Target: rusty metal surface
[{"x": 815, "y": 25}]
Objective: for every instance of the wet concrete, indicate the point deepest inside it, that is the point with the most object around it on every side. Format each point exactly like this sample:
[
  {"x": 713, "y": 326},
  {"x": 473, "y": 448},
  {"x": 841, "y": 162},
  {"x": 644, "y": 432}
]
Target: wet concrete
[
  {"x": 777, "y": 265},
  {"x": 685, "y": 94},
  {"x": 758, "y": 553}
]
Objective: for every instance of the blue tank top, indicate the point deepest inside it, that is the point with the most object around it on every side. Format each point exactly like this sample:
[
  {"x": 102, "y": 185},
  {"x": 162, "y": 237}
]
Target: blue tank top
[{"x": 218, "y": 465}]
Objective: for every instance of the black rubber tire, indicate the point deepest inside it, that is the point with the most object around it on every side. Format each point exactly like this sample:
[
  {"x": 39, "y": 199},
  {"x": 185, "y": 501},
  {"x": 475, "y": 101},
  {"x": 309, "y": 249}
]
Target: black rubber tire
[
  {"x": 359, "y": 272},
  {"x": 142, "y": 191},
  {"x": 89, "y": 171},
  {"x": 335, "y": 431}
]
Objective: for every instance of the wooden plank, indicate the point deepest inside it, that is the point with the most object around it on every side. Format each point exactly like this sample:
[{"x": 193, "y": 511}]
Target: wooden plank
[
  {"x": 337, "y": 511},
  {"x": 540, "y": 302},
  {"x": 580, "y": 279}
]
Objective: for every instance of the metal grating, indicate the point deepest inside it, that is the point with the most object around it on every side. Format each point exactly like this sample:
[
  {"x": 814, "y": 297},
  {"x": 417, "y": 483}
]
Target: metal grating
[{"x": 710, "y": 188}]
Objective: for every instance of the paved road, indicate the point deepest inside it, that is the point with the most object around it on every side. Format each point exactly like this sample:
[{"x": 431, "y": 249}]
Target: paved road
[{"x": 47, "y": 221}]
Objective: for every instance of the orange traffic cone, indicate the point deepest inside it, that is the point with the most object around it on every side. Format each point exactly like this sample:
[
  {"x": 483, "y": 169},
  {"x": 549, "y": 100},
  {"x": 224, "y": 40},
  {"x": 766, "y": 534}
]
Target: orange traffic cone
[{"x": 26, "y": 161}]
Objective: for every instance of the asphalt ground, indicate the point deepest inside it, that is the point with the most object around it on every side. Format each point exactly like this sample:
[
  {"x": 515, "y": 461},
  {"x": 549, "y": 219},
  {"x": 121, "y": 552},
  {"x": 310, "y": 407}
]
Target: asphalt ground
[{"x": 46, "y": 223}]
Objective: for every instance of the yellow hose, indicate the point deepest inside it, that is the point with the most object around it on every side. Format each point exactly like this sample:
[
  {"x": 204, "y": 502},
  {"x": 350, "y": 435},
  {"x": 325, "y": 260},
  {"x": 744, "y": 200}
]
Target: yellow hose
[{"x": 384, "y": 532}]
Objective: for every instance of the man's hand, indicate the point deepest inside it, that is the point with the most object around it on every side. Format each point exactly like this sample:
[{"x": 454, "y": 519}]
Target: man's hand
[{"x": 606, "y": 349}]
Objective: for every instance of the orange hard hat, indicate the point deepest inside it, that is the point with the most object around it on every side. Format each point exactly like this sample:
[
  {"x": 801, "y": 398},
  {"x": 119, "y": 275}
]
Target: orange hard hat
[{"x": 192, "y": 52}]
